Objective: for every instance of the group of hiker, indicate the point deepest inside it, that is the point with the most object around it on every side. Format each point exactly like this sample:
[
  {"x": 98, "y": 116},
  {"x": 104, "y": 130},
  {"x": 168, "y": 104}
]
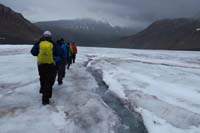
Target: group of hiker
[{"x": 53, "y": 59}]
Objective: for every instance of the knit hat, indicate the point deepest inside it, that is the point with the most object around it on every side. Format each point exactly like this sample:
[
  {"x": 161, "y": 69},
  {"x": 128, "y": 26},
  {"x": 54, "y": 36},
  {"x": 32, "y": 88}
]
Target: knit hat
[{"x": 47, "y": 33}]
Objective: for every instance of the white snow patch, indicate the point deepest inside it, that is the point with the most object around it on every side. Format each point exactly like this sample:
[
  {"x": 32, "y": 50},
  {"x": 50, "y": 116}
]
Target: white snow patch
[{"x": 162, "y": 85}]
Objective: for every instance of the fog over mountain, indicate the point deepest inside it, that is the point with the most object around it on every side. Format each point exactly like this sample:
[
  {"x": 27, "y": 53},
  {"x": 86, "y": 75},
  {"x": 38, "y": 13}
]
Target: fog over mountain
[
  {"x": 135, "y": 13},
  {"x": 86, "y": 32}
]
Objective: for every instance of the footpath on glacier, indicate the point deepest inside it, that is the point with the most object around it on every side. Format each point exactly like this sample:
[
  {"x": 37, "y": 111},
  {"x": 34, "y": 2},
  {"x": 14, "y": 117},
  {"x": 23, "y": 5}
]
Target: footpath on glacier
[{"x": 77, "y": 106}]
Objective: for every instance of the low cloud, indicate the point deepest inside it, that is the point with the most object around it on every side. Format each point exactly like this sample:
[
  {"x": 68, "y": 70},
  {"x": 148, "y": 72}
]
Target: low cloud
[{"x": 136, "y": 13}]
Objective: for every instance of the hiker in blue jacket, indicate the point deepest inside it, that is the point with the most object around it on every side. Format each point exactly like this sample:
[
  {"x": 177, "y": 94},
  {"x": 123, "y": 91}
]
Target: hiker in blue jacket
[{"x": 60, "y": 60}]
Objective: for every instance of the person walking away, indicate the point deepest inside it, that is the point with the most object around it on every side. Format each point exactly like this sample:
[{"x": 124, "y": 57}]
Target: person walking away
[
  {"x": 66, "y": 53},
  {"x": 60, "y": 60},
  {"x": 69, "y": 59},
  {"x": 44, "y": 49},
  {"x": 74, "y": 49}
]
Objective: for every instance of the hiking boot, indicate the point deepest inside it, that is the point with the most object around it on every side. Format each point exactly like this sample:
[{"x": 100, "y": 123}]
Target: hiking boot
[
  {"x": 45, "y": 102},
  {"x": 40, "y": 90},
  {"x": 60, "y": 82}
]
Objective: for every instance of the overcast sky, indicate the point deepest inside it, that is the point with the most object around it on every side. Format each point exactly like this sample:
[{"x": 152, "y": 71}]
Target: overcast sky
[{"x": 117, "y": 12}]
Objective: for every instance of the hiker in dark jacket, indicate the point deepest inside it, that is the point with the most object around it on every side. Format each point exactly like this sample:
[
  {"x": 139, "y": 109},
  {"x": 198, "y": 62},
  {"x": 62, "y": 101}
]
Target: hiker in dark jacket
[
  {"x": 45, "y": 51},
  {"x": 60, "y": 60}
]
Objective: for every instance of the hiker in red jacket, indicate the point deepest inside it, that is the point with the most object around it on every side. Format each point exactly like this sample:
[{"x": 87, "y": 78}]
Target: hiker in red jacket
[{"x": 74, "y": 48}]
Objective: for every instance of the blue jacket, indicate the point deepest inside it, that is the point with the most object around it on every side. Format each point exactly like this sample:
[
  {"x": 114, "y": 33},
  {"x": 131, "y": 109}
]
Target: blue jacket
[
  {"x": 62, "y": 53},
  {"x": 65, "y": 50}
]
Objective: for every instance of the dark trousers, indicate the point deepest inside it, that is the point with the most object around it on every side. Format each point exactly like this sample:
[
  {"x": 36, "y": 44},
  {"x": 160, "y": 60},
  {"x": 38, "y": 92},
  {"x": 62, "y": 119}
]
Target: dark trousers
[
  {"x": 47, "y": 73},
  {"x": 69, "y": 62},
  {"x": 60, "y": 66},
  {"x": 73, "y": 58}
]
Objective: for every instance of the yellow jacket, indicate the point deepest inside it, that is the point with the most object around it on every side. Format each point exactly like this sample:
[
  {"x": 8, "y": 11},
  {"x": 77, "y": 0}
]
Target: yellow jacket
[{"x": 45, "y": 55}]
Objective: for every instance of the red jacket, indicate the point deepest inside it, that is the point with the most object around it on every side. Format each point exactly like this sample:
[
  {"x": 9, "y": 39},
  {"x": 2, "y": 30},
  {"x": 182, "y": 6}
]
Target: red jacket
[{"x": 74, "y": 48}]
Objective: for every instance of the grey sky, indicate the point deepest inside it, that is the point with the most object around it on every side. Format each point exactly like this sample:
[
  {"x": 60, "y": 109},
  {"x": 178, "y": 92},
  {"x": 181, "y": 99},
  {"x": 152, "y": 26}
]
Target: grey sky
[{"x": 117, "y": 12}]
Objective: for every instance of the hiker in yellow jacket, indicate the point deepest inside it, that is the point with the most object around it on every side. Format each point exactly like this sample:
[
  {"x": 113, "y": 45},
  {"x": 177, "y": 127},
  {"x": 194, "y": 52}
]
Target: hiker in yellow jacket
[{"x": 45, "y": 51}]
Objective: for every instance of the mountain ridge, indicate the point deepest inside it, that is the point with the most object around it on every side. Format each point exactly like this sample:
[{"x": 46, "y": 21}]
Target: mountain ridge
[
  {"x": 14, "y": 28},
  {"x": 166, "y": 34}
]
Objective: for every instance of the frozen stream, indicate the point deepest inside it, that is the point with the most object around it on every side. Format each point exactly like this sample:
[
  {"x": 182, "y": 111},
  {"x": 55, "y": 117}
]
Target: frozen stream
[{"x": 131, "y": 121}]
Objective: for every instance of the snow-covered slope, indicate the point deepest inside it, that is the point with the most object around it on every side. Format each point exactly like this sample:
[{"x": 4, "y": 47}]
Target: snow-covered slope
[{"x": 163, "y": 86}]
